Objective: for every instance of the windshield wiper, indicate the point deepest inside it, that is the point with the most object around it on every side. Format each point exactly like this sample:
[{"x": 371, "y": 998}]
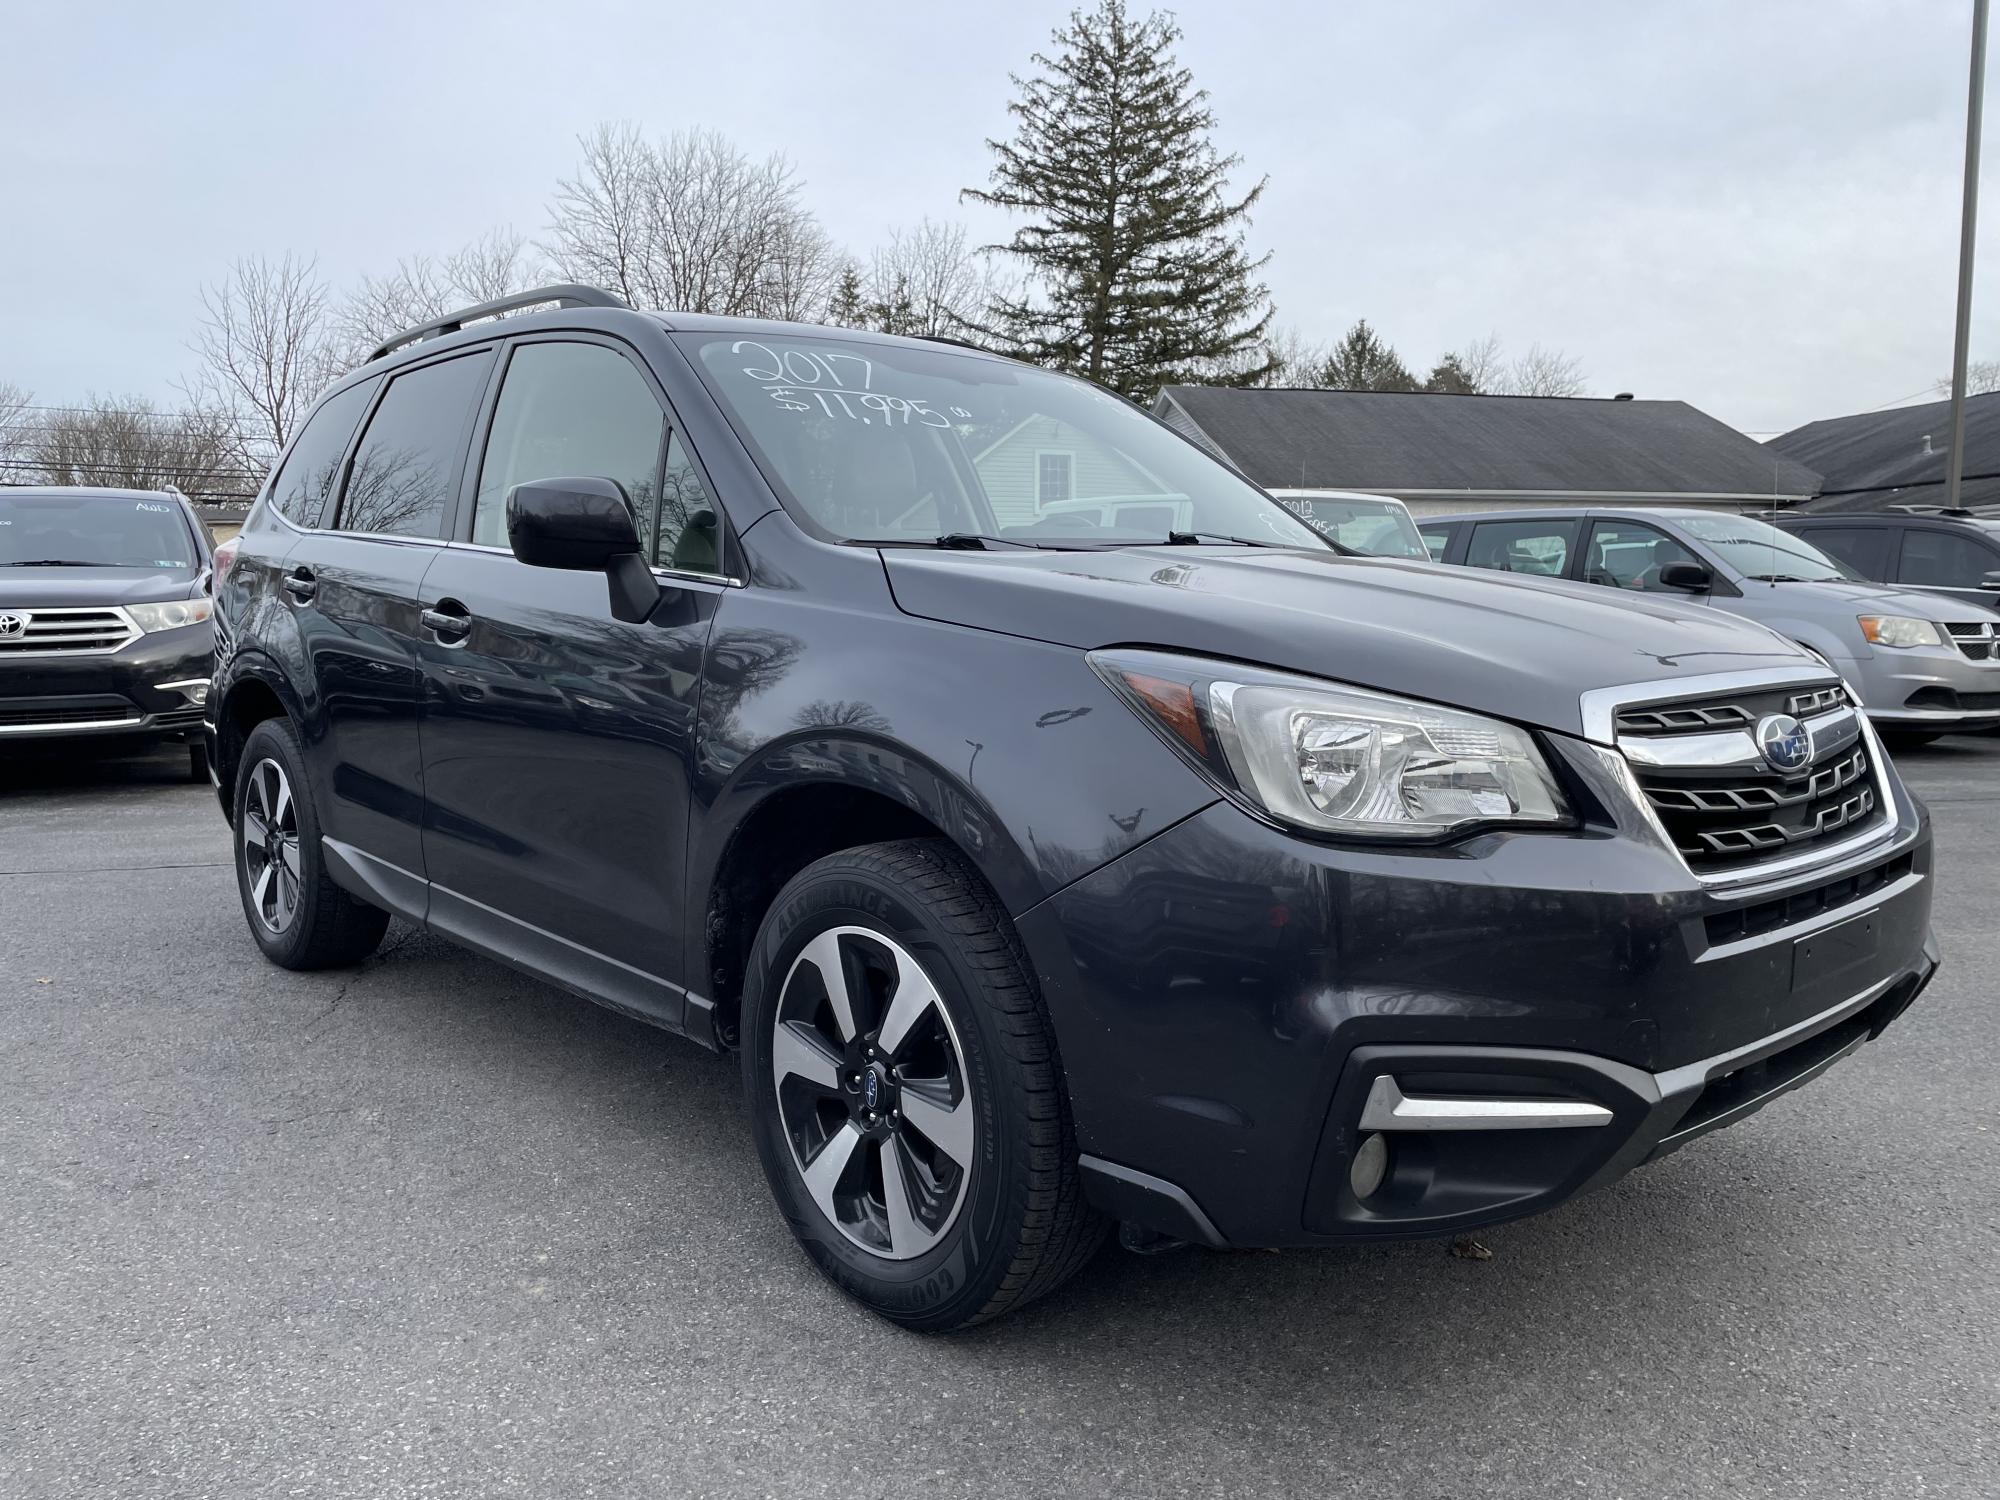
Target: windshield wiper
[
  {"x": 1218, "y": 539},
  {"x": 979, "y": 541},
  {"x": 54, "y": 562},
  {"x": 1783, "y": 578}
]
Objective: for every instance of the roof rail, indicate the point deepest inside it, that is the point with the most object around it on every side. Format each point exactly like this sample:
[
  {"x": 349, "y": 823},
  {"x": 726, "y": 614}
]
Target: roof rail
[
  {"x": 1930, "y": 510},
  {"x": 564, "y": 295}
]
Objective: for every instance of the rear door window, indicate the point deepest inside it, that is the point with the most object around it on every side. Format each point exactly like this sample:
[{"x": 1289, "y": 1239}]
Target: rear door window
[
  {"x": 311, "y": 470},
  {"x": 1629, "y": 555},
  {"x": 1540, "y": 548},
  {"x": 407, "y": 466},
  {"x": 1942, "y": 560},
  {"x": 1866, "y": 549}
]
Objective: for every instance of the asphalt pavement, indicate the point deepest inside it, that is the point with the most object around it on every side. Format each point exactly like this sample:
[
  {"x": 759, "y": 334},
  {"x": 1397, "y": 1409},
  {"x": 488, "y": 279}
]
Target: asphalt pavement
[{"x": 427, "y": 1227}]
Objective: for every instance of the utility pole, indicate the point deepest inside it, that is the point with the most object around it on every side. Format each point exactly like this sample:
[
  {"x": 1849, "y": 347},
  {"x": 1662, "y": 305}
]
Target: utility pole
[{"x": 1968, "y": 233}]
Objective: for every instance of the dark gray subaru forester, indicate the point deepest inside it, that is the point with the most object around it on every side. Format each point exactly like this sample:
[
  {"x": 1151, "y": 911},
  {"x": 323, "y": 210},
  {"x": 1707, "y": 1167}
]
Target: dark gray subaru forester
[{"x": 1062, "y": 832}]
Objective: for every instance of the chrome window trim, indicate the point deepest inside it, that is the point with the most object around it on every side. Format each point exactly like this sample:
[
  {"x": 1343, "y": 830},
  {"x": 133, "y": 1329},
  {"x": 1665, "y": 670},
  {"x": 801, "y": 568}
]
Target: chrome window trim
[
  {"x": 678, "y": 575},
  {"x": 75, "y": 726}
]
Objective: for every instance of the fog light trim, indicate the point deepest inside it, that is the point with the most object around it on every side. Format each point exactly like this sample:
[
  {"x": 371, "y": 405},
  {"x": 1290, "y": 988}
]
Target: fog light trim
[{"x": 1389, "y": 1108}]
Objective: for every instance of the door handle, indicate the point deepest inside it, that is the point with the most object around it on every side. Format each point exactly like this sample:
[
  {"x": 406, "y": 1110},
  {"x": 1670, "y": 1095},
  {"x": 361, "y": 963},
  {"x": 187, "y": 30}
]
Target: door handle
[
  {"x": 301, "y": 585},
  {"x": 450, "y": 626}
]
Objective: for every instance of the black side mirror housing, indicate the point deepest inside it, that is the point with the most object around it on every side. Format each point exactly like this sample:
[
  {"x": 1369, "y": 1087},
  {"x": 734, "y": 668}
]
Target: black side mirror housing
[
  {"x": 1686, "y": 575},
  {"x": 584, "y": 525}
]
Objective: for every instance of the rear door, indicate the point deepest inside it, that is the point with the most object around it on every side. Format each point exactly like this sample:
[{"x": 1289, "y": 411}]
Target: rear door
[
  {"x": 1539, "y": 546},
  {"x": 558, "y": 739},
  {"x": 353, "y": 588}
]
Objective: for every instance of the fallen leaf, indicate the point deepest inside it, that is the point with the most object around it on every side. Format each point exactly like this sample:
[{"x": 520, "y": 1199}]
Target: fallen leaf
[{"x": 1465, "y": 1247}]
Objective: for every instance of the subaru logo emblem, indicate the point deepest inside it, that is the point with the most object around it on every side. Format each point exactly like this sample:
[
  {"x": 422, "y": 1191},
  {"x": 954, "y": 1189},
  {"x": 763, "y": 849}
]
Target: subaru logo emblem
[
  {"x": 871, "y": 1089},
  {"x": 1784, "y": 742},
  {"x": 13, "y": 626}
]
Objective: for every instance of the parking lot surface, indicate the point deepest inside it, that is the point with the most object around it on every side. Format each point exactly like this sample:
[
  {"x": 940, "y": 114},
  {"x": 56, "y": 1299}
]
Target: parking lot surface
[{"x": 427, "y": 1227}]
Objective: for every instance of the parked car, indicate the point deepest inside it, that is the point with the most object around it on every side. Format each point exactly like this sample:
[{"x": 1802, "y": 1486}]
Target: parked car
[
  {"x": 1921, "y": 665},
  {"x": 104, "y": 618},
  {"x": 1378, "y": 525},
  {"x": 1044, "y": 873},
  {"x": 1955, "y": 552}
]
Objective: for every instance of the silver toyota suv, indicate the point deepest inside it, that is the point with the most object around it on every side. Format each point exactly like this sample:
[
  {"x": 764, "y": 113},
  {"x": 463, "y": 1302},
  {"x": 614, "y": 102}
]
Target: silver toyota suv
[{"x": 1921, "y": 664}]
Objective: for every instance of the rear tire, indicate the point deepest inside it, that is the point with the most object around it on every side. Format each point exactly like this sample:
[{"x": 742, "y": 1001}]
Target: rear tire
[
  {"x": 298, "y": 916},
  {"x": 937, "y": 1003}
]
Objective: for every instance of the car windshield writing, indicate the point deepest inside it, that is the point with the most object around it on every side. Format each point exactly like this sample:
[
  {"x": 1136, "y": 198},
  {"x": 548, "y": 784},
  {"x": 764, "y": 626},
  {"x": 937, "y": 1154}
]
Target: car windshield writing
[
  {"x": 93, "y": 532},
  {"x": 1759, "y": 550},
  {"x": 1381, "y": 528},
  {"x": 878, "y": 442}
]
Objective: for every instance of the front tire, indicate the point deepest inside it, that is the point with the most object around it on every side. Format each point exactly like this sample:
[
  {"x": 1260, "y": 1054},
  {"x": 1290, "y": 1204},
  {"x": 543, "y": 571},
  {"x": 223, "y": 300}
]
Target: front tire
[
  {"x": 905, "y": 1092},
  {"x": 298, "y": 916}
]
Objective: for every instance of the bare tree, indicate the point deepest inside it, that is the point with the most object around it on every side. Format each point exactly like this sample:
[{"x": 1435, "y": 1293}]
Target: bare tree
[
  {"x": 690, "y": 223},
  {"x": 126, "y": 443},
  {"x": 267, "y": 347},
  {"x": 497, "y": 264},
  {"x": 1481, "y": 363},
  {"x": 927, "y": 281},
  {"x": 16, "y": 429},
  {"x": 1981, "y": 377},
  {"x": 1544, "y": 372}
]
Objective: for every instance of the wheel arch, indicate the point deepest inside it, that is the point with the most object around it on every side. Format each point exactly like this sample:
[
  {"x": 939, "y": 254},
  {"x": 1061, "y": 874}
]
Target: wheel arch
[
  {"x": 801, "y": 800},
  {"x": 256, "y": 692}
]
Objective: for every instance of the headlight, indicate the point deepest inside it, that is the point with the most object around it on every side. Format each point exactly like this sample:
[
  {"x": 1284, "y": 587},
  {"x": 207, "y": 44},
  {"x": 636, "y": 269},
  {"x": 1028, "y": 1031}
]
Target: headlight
[
  {"x": 171, "y": 615},
  {"x": 1334, "y": 759},
  {"x": 1898, "y": 630}
]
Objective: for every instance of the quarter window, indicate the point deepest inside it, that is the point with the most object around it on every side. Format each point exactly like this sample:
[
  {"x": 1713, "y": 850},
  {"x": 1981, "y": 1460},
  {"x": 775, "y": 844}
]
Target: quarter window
[
  {"x": 572, "y": 411},
  {"x": 307, "y": 478},
  {"x": 1541, "y": 548},
  {"x": 1937, "y": 559},
  {"x": 690, "y": 539},
  {"x": 407, "y": 463}
]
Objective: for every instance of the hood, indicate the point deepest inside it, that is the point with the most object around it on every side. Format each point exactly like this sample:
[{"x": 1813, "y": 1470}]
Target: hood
[
  {"x": 1516, "y": 648},
  {"x": 1873, "y": 598},
  {"x": 48, "y": 587}
]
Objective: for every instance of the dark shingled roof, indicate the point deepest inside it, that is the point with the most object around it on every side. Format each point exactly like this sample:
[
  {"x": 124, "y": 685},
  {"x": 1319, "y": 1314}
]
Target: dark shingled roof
[
  {"x": 1877, "y": 458},
  {"x": 1376, "y": 440}
]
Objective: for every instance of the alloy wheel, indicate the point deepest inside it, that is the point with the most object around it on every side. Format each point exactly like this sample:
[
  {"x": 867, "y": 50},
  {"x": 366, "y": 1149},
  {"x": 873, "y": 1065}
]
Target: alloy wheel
[
  {"x": 271, "y": 846},
  {"x": 872, "y": 1092}
]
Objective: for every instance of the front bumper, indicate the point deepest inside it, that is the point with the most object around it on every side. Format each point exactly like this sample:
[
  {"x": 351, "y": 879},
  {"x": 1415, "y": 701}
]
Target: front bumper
[
  {"x": 1226, "y": 996},
  {"x": 1925, "y": 688},
  {"x": 119, "y": 694}
]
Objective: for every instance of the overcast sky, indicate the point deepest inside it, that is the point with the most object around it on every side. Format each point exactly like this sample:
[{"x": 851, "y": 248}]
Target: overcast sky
[{"x": 1752, "y": 207}]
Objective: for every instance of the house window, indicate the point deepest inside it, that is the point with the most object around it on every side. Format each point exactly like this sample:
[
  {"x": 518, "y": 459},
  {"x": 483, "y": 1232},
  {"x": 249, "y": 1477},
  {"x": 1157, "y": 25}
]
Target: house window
[{"x": 1052, "y": 477}]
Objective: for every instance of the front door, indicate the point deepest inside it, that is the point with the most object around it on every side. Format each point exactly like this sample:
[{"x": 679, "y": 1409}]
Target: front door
[{"x": 558, "y": 739}]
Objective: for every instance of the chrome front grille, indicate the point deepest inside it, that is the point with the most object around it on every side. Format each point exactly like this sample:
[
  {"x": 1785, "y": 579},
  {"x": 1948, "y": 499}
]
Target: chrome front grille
[
  {"x": 1725, "y": 807},
  {"x": 64, "y": 630},
  {"x": 1978, "y": 639}
]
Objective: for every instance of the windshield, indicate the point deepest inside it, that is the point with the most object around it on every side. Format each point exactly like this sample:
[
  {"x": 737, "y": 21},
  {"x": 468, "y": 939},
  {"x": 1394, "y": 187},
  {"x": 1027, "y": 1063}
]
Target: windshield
[
  {"x": 1759, "y": 550},
  {"x": 876, "y": 442},
  {"x": 94, "y": 531},
  {"x": 1379, "y": 527}
]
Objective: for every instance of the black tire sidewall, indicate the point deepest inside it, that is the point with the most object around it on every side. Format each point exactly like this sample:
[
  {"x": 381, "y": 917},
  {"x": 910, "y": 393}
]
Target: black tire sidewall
[
  {"x": 273, "y": 740},
  {"x": 947, "y": 1284}
]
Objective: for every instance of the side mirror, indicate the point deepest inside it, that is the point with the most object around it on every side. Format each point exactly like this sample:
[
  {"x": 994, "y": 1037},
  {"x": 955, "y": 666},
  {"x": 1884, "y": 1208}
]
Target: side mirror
[
  {"x": 1686, "y": 575},
  {"x": 584, "y": 525}
]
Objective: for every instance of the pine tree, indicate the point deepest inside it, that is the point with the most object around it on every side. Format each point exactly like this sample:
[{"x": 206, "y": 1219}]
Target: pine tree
[
  {"x": 1362, "y": 362},
  {"x": 1449, "y": 377},
  {"x": 848, "y": 307},
  {"x": 895, "y": 311},
  {"x": 1138, "y": 275}
]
